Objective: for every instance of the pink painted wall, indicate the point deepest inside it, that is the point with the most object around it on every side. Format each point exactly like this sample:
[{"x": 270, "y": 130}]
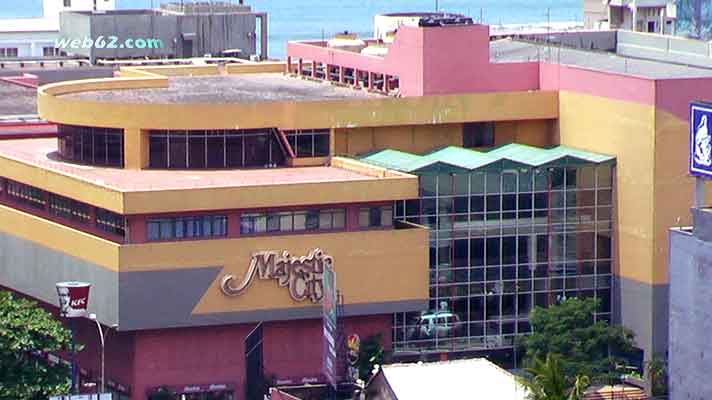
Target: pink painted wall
[
  {"x": 597, "y": 83},
  {"x": 205, "y": 355},
  {"x": 294, "y": 348},
  {"x": 675, "y": 95},
  {"x": 177, "y": 357},
  {"x": 457, "y": 60},
  {"x": 429, "y": 61}
]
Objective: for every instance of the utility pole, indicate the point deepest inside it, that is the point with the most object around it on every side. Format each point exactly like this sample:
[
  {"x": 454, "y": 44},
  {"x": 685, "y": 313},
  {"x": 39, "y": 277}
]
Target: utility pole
[{"x": 437, "y": 5}]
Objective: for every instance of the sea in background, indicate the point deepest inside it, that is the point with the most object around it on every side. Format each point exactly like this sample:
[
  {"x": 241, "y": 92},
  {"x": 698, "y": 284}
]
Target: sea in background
[{"x": 314, "y": 19}]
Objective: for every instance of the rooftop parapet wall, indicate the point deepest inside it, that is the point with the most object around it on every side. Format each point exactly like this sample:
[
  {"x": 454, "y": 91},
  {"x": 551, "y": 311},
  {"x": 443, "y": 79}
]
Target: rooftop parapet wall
[{"x": 432, "y": 60}]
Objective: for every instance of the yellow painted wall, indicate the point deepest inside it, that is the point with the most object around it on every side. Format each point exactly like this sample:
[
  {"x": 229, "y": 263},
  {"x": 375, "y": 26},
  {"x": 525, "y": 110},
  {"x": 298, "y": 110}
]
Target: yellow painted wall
[
  {"x": 136, "y": 150},
  {"x": 410, "y": 138},
  {"x": 674, "y": 187},
  {"x": 531, "y": 132},
  {"x": 385, "y": 186},
  {"x": 421, "y": 139},
  {"x": 364, "y": 273},
  {"x": 379, "y": 111},
  {"x": 630, "y": 136},
  {"x": 61, "y": 183},
  {"x": 60, "y": 238},
  {"x": 280, "y": 195}
]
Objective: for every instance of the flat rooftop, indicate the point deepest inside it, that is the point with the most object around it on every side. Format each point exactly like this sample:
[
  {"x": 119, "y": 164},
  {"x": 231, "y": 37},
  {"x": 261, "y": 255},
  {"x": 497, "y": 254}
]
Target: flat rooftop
[
  {"x": 508, "y": 50},
  {"x": 42, "y": 153},
  {"x": 238, "y": 88},
  {"x": 17, "y": 100}
]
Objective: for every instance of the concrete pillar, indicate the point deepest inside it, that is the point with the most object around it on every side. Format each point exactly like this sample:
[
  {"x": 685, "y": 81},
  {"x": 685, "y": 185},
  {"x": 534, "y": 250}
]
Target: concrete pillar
[
  {"x": 314, "y": 65},
  {"x": 386, "y": 83},
  {"x": 300, "y": 66},
  {"x": 341, "y": 74},
  {"x": 289, "y": 65},
  {"x": 356, "y": 82},
  {"x": 370, "y": 80},
  {"x": 135, "y": 149}
]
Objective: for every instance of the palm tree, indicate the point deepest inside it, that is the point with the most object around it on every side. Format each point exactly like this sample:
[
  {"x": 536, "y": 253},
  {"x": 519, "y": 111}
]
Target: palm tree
[{"x": 547, "y": 381}]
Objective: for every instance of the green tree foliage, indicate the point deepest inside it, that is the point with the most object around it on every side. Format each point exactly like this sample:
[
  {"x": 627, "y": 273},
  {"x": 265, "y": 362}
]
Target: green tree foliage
[
  {"x": 547, "y": 381},
  {"x": 584, "y": 347},
  {"x": 370, "y": 354},
  {"x": 657, "y": 374},
  {"x": 24, "y": 327}
]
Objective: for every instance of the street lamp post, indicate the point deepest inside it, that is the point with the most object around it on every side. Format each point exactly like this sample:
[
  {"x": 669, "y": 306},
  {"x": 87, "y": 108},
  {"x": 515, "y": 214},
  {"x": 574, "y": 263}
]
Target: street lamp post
[{"x": 101, "y": 337}]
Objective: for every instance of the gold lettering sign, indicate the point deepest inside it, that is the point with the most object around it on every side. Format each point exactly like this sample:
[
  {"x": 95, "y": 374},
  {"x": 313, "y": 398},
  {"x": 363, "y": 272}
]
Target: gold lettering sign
[{"x": 303, "y": 276}]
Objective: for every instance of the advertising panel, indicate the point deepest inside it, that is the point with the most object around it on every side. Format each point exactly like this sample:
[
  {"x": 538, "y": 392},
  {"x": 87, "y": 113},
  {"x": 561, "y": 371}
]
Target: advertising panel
[
  {"x": 73, "y": 299},
  {"x": 329, "y": 324}
]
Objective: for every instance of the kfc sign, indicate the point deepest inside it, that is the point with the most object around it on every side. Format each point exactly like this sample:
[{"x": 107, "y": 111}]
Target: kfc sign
[{"x": 73, "y": 299}]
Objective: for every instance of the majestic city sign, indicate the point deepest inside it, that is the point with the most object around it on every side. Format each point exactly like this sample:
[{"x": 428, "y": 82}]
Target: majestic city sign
[
  {"x": 701, "y": 139},
  {"x": 302, "y": 276}
]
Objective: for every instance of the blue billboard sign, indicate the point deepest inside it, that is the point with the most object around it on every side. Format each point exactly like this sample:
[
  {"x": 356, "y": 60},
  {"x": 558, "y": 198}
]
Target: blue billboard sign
[{"x": 701, "y": 139}]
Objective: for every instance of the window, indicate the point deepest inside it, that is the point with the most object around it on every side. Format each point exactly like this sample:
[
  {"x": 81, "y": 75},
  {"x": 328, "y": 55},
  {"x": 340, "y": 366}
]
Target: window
[
  {"x": 309, "y": 143},
  {"x": 291, "y": 221},
  {"x": 375, "y": 216},
  {"x": 50, "y": 52},
  {"x": 110, "y": 222},
  {"x": 63, "y": 207},
  {"x": 478, "y": 134},
  {"x": 27, "y": 195},
  {"x": 67, "y": 3},
  {"x": 9, "y": 52},
  {"x": 195, "y": 227},
  {"x": 214, "y": 149},
  {"x": 88, "y": 145}
]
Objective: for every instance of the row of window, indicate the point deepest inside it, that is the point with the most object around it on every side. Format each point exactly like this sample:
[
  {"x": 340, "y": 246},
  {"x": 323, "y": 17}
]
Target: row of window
[
  {"x": 524, "y": 180},
  {"x": 293, "y": 221},
  {"x": 211, "y": 226},
  {"x": 199, "y": 227},
  {"x": 309, "y": 143},
  {"x": 95, "y": 146},
  {"x": 66, "y": 208},
  {"x": 9, "y": 52},
  {"x": 507, "y": 202},
  {"x": 180, "y": 149}
]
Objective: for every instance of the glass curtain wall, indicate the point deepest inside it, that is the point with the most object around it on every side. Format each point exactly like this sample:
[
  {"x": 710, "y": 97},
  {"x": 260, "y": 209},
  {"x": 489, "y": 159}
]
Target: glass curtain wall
[
  {"x": 503, "y": 241},
  {"x": 214, "y": 149},
  {"x": 88, "y": 145}
]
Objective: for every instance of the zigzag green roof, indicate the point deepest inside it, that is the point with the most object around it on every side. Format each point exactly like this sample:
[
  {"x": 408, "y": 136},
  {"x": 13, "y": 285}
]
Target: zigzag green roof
[{"x": 467, "y": 159}]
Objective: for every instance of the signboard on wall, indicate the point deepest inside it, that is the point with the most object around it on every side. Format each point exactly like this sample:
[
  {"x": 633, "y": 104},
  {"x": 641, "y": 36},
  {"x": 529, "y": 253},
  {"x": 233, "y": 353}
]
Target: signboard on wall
[
  {"x": 701, "y": 139},
  {"x": 73, "y": 299},
  {"x": 329, "y": 324},
  {"x": 301, "y": 275}
]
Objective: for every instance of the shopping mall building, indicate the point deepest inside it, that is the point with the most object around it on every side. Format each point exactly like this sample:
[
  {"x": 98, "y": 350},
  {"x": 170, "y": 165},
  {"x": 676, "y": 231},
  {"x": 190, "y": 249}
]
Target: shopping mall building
[{"x": 454, "y": 180}]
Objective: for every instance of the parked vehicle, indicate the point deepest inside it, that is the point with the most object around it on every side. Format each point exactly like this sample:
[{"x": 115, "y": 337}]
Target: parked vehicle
[{"x": 436, "y": 323}]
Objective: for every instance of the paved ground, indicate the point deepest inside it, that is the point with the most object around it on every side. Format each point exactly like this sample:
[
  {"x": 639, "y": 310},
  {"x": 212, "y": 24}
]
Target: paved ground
[{"x": 239, "y": 88}]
